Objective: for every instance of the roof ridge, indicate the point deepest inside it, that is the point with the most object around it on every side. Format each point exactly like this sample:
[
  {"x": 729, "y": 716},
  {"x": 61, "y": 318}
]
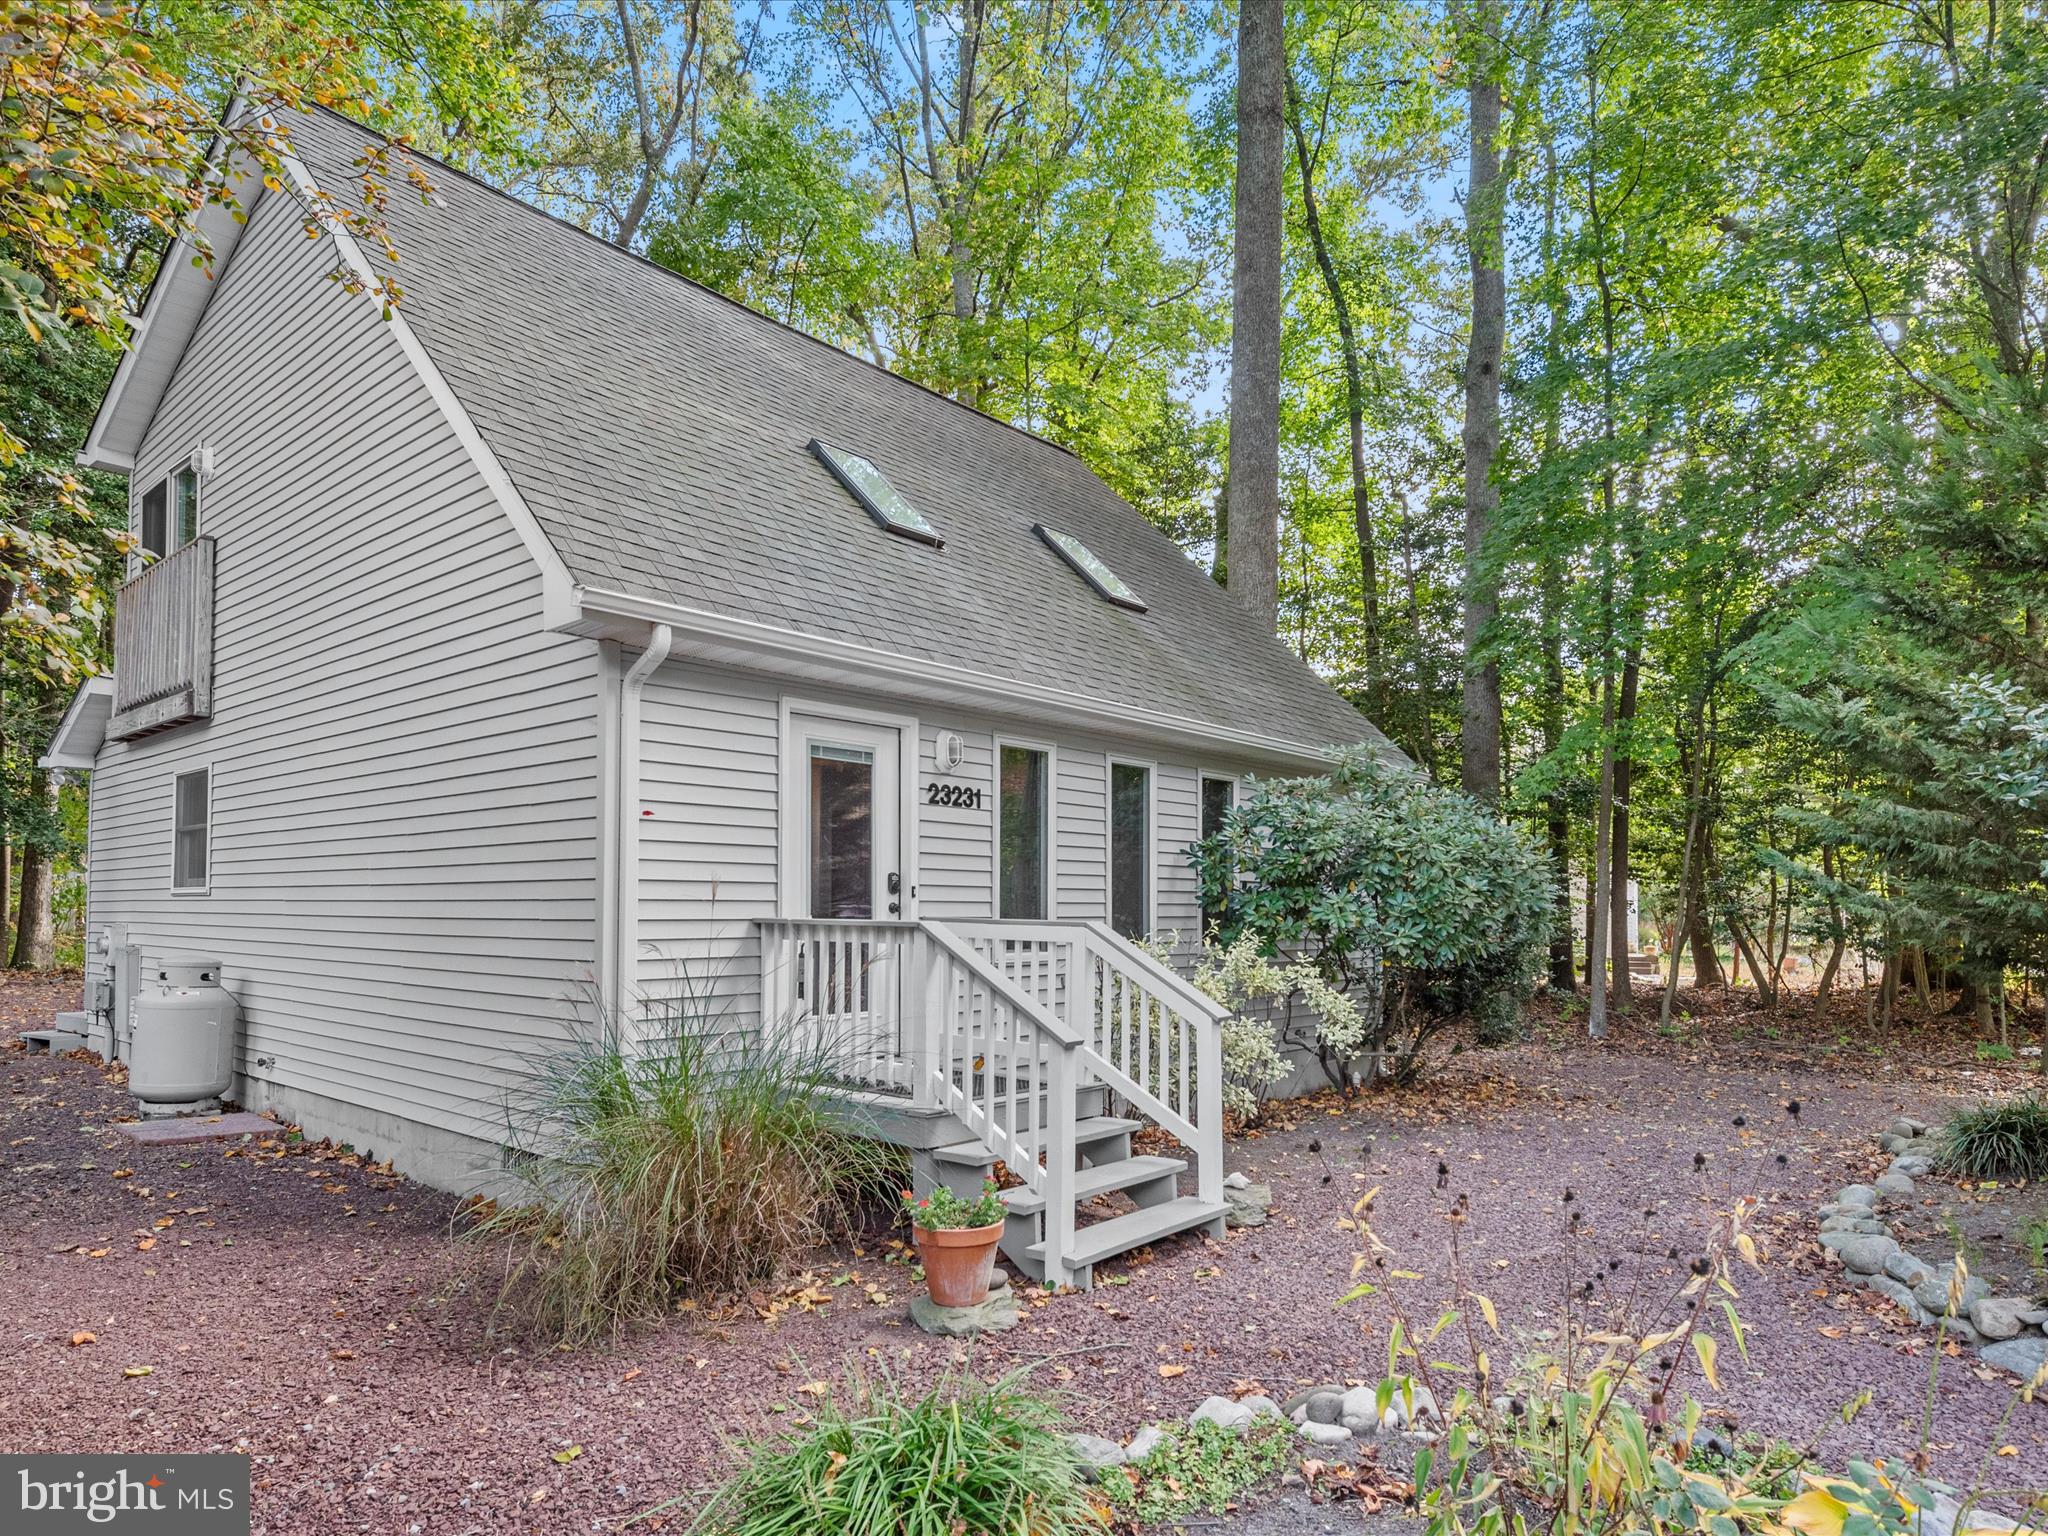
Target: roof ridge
[{"x": 691, "y": 282}]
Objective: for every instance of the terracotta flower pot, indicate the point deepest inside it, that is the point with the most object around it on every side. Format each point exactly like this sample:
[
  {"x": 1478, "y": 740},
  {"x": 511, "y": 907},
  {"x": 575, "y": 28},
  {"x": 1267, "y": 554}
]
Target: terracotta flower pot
[{"x": 958, "y": 1262}]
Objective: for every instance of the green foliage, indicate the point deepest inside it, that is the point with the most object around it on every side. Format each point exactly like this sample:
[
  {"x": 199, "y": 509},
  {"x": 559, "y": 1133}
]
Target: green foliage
[
  {"x": 1199, "y": 1469},
  {"x": 1997, "y": 1141},
  {"x": 1411, "y": 899},
  {"x": 944, "y": 1211},
  {"x": 702, "y": 1161},
  {"x": 966, "y": 1456}
]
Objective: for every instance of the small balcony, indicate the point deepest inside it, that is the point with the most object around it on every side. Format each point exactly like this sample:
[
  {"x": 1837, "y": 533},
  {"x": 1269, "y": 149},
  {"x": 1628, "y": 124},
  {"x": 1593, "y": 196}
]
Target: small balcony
[{"x": 163, "y": 645}]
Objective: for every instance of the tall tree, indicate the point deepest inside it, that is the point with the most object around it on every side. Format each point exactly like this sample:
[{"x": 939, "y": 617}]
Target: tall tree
[{"x": 1253, "y": 497}]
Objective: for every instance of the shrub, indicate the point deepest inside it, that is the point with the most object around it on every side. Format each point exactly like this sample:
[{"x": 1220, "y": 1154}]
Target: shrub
[
  {"x": 1997, "y": 1141},
  {"x": 1413, "y": 900},
  {"x": 1199, "y": 1469},
  {"x": 704, "y": 1162},
  {"x": 967, "y": 1456}
]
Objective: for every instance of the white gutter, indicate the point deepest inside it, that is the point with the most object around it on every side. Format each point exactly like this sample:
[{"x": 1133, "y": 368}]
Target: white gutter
[
  {"x": 627, "y": 814},
  {"x": 747, "y": 642}
]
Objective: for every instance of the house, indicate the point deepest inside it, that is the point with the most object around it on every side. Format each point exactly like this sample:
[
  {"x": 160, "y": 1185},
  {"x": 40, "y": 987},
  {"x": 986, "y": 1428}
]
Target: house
[{"x": 576, "y": 625}]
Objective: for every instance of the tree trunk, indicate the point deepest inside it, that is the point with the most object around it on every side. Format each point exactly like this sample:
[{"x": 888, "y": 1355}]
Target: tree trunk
[
  {"x": 1603, "y": 890},
  {"x": 35, "y": 937},
  {"x": 1254, "y": 482},
  {"x": 6, "y": 892},
  {"x": 1618, "y": 878},
  {"x": 1485, "y": 201}
]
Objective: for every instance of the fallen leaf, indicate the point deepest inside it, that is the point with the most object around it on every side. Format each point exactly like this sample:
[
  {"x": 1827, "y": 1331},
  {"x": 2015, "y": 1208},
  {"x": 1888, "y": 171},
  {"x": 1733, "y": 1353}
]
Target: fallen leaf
[
  {"x": 1173, "y": 1370},
  {"x": 137, "y": 1370},
  {"x": 341, "y": 1354},
  {"x": 145, "y": 1245},
  {"x": 82, "y": 1337},
  {"x": 565, "y": 1457},
  {"x": 630, "y": 1374},
  {"x": 1833, "y": 1333}
]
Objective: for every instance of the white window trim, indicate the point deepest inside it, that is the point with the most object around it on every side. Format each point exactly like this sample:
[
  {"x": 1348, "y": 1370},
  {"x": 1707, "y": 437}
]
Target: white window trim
[
  {"x": 205, "y": 888},
  {"x": 1052, "y": 826},
  {"x": 1152, "y": 849},
  {"x": 794, "y": 779}
]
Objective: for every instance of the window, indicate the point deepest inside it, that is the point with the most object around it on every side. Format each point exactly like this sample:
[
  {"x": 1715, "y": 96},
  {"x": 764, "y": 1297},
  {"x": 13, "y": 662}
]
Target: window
[
  {"x": 1021, "y": 841},
  {"x": 1130, "y": 849},
  {"x": 191, "y": 818},
  {"x": 842, "y": 832},
  {"x": 871, "y": 488},
  {"x": 1099, "y": 576},
  {"x": 1218, "y": 796},
  {"x": 170, "y": 513}
]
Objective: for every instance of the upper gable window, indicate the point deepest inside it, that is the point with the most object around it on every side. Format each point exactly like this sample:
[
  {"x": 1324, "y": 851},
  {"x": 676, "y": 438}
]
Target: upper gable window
[
  {"x": 170, "y": 513},
  {"x": 1084, "y": 560},
  {"x": 871, "y": 488}
]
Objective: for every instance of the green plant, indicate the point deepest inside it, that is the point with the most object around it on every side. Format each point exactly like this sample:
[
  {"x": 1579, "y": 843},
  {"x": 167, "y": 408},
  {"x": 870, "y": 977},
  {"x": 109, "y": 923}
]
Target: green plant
[
  {"x": 944, "y": 1211},
  {"x": 1991, "y": 1050},
  {"x": 2034, "y": 1239},
  {"x": 1415, "y": 903},
  {"x": 702, "y": 1161},
  {"x": 1997, "y": 1141},
  {"x": 1199, "y": 1469},
  {"x": 967, "y": 1456}
]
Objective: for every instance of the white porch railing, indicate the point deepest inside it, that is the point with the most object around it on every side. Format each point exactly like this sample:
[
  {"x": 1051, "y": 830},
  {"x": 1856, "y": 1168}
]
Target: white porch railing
[{"x": 1001, "y": 1024}]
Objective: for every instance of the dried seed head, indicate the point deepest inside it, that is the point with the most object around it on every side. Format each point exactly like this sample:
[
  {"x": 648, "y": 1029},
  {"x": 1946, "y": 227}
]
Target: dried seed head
[
  {"x": 1315, "y": 1144},
  {"x": 1699, "y": 1162},
  {"x": 1701, "y": 1266},
  {"x": 1792, "y": 1109},
  {"x": 1741, "y": 1121}
]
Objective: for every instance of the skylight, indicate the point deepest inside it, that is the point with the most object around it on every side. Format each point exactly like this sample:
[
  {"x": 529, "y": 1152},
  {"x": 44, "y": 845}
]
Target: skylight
[
  {"x": 1100, "y": 576},
  {"x": 871, "y": 488}
]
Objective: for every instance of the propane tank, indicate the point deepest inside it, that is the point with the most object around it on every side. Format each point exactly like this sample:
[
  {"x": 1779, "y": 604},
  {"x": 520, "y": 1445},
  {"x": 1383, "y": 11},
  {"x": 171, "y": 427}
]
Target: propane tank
[{"x": 182, "y": 1057}]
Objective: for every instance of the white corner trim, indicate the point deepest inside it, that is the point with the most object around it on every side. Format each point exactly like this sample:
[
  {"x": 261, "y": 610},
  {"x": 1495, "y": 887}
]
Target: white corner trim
[
  {"x": 557, "y": 589},
  {"x": 747, "y": 642}
]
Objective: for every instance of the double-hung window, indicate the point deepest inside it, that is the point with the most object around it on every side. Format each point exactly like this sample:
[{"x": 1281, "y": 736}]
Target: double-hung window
[
  {"x": 191, "y": 830},
  {"x": 1023, "y": 840}
]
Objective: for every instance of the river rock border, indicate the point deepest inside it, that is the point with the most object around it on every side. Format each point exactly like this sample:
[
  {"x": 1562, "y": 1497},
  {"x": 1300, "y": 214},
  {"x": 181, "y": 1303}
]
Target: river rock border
[
  {"x": 2010, "y": 1332},
  {"x": 1331, "y": 1418}
]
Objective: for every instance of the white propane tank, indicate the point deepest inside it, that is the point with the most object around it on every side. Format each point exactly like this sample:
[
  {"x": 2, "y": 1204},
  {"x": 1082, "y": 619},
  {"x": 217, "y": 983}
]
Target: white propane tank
[{"x": 183, "y": 1055}]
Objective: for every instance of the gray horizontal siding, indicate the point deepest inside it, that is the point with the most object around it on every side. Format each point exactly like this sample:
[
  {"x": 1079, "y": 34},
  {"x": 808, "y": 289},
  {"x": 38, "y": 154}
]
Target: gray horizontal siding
[{"x": 404, "y": 792}]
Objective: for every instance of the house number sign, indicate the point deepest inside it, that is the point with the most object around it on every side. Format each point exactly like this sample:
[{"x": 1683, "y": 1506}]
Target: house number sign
[{"x": 959, "y": 796}]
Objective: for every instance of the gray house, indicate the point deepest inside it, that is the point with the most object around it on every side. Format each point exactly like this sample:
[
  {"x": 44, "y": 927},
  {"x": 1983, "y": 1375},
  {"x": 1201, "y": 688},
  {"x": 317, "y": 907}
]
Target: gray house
[{"x": 577, "y": 625}]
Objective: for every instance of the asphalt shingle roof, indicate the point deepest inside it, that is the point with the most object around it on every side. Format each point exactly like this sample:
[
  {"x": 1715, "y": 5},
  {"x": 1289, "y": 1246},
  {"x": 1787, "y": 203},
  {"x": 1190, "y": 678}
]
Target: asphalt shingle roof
[{"x": 660, "y": 434}]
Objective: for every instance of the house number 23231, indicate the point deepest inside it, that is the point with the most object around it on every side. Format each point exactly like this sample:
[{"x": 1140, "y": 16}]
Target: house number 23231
[{"x": 961, "y": 796}]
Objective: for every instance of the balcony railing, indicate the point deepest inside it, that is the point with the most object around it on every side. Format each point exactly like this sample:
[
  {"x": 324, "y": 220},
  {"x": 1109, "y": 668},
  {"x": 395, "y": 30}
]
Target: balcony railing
[{"x": 163, "y": 645}]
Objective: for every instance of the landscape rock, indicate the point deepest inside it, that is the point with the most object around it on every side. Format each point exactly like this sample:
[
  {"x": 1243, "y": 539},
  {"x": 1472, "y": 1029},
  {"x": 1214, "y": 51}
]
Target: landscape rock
[
  {"x": 1298, "y": 1400},
  {"x": 1399, "y": 1416},
  {"x": 1262, "y": 1407},
  {"x": 1223, "y": 1413},
  {"x": 998, "y": 1313},
  {"x": 1325, "y": 1408},
  {"x": 1932, "y": 1293},
  {"x": 1907, "y": 1268},
  {"x": 1853, "y": 1224},
  {"x": 1236, "y": 1181},
  {"x": 1894, "y": 1187},
  {"x": 1914, "y": 1165},
  {"x": 1897, "y": 1292},
  {"x": 1325, "y": 1434},
  {"x": 1998, "y": 1317},
  {"x": 1892, "y": 1141},
  {"x": 1247, "y": 1205},
  {"x": 1096, "y": 1454},
  {"x": 1907, "y": 1128},
  {"x": 1941, "y": 1514},
  {"x": 1861, "y": 1196},
  {"x": 2022, "y": 1357},
  {"x": 1957, "y": 1328},
  {"x": 1866, "y": 1253},
  {"x": 1144, "y": 1442}
]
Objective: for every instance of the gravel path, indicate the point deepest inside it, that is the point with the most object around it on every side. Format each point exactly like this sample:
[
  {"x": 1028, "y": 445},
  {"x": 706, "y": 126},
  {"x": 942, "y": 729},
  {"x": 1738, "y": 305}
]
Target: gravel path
[{"x": 311, "y": 1310}]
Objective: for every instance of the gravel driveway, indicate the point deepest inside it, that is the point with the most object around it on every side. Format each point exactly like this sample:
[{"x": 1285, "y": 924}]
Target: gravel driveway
[{"x": 293, "y": 1303}]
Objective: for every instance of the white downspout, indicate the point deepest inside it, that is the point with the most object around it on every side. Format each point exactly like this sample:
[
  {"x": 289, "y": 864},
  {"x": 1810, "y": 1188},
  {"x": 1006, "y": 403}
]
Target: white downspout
[{"x": 628, "y": 810}]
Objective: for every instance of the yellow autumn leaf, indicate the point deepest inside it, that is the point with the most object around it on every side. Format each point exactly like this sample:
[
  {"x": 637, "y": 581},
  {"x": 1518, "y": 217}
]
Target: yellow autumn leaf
[
  {"x": 1486, "y": 1309},
  {"x": 565, "y": 1457},
  {"x": 1815, "y": 1512},
  {"x": 1708, "y": 1351}
]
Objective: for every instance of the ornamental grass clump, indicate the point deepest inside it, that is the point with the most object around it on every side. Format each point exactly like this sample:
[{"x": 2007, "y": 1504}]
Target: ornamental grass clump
[
  {"x": 699, "y": 1163},
  {"x": 1997, "y": 1141},
  {"x": 967, "y": 1456}
]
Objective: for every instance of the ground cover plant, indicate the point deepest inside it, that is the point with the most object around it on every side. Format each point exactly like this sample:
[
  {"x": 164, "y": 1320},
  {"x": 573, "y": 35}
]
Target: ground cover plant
[
  {"x": 700, "y": 1163},
  {"x": 1199, "y": 1468},
  {"x": 1997, "y": 1141},
  {"x": 880, "y": 1460}
]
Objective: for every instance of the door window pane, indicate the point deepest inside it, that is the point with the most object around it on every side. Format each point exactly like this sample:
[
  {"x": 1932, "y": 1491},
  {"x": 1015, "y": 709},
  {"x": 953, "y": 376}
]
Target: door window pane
[
  {"x": 188, "y": 506},
  {"x": 842, "y": 832},
  {"x": 1218, "y": 796},
  {"x": 1130, "y": 849},
  {"x": 1021, "y": 832},
  {"x": 155, "y": 534}
]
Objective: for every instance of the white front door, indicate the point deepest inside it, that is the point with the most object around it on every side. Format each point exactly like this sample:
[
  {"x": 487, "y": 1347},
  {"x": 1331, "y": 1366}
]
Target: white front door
[{"x": 849, "y": 856}]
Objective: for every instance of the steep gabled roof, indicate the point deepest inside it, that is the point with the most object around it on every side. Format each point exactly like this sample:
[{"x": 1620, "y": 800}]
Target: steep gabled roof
[{"x": 661, "y": 435}]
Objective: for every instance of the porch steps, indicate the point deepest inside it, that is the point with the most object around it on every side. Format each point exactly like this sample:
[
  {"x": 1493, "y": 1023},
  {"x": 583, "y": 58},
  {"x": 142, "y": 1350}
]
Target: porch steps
[
  {"x": 1121, "y": 1234},
  {"x": 1102, "y": 1179},
  {"x": 1087, "y": 1133}
]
